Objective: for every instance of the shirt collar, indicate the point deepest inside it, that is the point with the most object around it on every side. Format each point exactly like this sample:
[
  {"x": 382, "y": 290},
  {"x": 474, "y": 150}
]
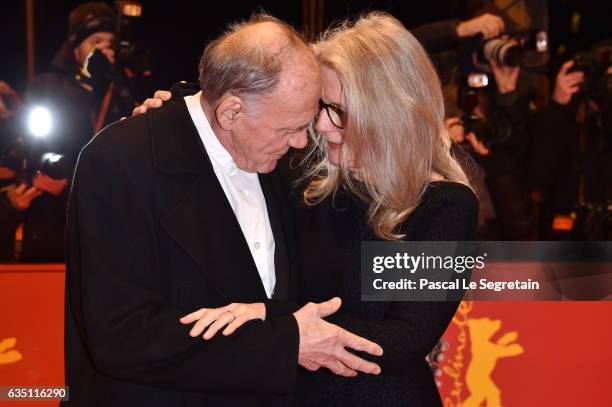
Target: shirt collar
[{"x": 215, "y": 149}]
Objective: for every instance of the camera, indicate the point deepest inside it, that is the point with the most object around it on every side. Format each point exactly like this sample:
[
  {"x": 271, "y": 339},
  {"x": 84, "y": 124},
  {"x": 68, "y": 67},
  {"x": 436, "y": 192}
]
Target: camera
[
  {"x": 597, "y": 67},
  {"x": 15, "y": 155},
  {"x": 488, "y": 130},
  {"x": 503, "y": 51},
  {"x": 529, "y": 50}
]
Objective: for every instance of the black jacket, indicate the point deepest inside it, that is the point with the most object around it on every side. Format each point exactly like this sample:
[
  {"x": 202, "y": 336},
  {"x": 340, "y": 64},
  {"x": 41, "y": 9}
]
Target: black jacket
[{"x": 151, "y": 237}]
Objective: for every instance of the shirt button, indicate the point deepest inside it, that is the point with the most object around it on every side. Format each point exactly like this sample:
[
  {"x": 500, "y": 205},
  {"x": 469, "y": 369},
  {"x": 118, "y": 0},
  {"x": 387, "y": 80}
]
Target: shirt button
[{"x": 257, "y": 245}]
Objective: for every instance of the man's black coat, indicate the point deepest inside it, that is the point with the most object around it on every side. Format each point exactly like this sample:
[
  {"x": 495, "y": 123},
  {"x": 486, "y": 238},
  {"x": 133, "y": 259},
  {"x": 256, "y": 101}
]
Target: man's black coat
[{"x": 151, "y": 237}]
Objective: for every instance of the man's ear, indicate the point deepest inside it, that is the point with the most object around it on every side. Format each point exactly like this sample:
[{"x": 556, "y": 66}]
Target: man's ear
[{"x": 229, "y": 111}]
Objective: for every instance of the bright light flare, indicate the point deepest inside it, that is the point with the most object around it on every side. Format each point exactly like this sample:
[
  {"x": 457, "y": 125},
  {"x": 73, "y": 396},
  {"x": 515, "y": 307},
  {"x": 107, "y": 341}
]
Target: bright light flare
[{"x": 39, "y": 122}]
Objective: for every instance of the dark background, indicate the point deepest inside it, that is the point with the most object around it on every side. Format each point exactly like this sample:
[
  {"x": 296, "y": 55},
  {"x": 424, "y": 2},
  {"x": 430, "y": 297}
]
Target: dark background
[{"x": 177, "y": 31}]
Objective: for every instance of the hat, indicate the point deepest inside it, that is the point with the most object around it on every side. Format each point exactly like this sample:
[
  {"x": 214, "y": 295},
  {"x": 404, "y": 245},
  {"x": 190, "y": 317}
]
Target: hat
[{"x": 88, "y": 19}]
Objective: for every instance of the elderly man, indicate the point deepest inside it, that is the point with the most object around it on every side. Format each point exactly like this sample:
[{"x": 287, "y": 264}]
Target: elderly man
[{"x": 178, "y": 210}]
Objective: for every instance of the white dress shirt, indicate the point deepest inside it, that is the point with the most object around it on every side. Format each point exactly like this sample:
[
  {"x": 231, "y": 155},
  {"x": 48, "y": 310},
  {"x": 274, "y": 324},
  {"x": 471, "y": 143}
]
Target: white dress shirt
[{"x": 244, "y": 194}]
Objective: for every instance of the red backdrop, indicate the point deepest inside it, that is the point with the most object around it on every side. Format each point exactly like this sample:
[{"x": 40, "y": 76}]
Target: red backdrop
[{"x": 525, "y": 353}]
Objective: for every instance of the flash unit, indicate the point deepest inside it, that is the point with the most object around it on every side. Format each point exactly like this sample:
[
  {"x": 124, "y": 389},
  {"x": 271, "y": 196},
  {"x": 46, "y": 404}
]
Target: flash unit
[{"x": 39, "y": 121}]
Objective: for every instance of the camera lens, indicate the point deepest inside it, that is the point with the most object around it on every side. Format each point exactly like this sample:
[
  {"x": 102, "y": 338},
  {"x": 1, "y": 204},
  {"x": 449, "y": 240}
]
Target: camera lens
[{"x": 504, "y": 52}]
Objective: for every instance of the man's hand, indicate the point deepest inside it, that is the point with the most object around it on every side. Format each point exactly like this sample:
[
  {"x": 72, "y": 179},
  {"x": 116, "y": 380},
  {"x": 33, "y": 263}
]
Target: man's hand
[
  {"x": 233, "y": 315},
  {"x": 567, "y": 84},
  {"x": 489, "y": 25},
  {"x": 505, "y": 76},
  {"x": 50, "y": 185},
  {"x": 156, "y": 101},
  {"x": 21, "y": 197},
  {"x": 323, "y": 344}
]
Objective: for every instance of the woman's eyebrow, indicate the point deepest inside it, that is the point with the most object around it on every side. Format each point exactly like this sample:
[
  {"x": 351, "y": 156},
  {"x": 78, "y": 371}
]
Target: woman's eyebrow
[{"x": 336, "y": 105}]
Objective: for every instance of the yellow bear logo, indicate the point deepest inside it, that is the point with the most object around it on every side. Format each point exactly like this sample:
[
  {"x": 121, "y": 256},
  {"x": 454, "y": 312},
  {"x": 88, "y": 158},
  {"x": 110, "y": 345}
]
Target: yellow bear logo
[
  {"x": 6, "y": 355},
  {"x": 484, "y": 358}
]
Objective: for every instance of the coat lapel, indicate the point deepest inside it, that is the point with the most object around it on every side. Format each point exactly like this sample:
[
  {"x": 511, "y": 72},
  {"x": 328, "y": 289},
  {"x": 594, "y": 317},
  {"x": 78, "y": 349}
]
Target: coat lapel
[
  {"x": 281, "y": 260},
  {"x": 203, "y": 224}
]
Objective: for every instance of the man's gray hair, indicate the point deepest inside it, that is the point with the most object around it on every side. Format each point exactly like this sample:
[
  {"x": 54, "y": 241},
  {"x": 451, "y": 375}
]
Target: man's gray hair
[{"x": 240, "y": 65}]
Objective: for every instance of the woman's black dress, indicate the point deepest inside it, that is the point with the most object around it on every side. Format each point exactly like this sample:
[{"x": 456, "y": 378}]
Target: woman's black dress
[{"x": 328, "y": 246}]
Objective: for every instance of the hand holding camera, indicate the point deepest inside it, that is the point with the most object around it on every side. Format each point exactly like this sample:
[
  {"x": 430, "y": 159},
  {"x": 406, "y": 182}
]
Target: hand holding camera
[
  {"x": 489, "y": 25},
  {"x": 21, "y": 196},
  {"x": 505, "y": 76},
  {"x": 567, "y": 84},
  {"x": 48, "y": 184},
  {"x": 457, "y": 132}
]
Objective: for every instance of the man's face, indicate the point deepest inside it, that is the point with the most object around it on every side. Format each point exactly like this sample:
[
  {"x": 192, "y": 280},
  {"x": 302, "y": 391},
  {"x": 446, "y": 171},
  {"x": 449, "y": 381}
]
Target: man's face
[
  {"x": 280, "y": 121},
  {"x": 102, "y": 41}
]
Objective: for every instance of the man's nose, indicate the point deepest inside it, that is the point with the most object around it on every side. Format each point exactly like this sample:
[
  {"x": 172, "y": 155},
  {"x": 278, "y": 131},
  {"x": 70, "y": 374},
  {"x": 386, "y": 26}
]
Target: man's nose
[{"x": 299, "y": 140}]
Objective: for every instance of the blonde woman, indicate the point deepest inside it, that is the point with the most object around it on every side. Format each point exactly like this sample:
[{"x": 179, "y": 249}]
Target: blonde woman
[{"x": 380, "y": 169}]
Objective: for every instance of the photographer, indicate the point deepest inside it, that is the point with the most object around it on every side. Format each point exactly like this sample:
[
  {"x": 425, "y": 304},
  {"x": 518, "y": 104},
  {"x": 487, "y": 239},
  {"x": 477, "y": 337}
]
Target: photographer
[
  {"x": 78, "y": 92},
  {"x": 552, "y": 162},
  {"x": 442, "y": 38},
  {"x": 9, "y": 197},
  {"x": 77, "y": 98},
  {"x": 569, "y": 159},
  {"x": 491, "y": 126}
]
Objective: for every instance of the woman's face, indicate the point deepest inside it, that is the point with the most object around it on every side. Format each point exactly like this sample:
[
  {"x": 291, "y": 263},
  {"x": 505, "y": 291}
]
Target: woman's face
[{"x": 332, "y": 115}]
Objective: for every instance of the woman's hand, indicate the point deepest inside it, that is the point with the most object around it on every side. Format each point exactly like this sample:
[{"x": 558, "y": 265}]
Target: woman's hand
[
  {"x": 156, "y": 101},
  {"x": 233, "y": 315}
]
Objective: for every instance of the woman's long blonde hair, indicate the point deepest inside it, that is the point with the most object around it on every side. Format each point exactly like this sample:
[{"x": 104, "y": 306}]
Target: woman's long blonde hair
[{"x": 395, "y": 122}]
